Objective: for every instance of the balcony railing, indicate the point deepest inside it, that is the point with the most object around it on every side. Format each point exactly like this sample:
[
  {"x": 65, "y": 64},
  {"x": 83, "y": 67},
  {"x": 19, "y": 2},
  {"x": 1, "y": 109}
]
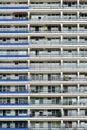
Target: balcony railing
[
  {"x": 14, "y": 92},
  {"x": 57, "y": 31},
  {"x": 57, "y": 43},
  {"x": 13, "y": 66},
  {"x": 9, "y": 79},
  {"x": 72, "y": 103},
  {"x": 55, "y": 67},
  {"x": 74, "y": 128},
  {"x": 46, "y": 116},
  {"x": 13, "y": 55},
  {"x": 51, "y": 104},
  {"x": 58, "y": 18},
  {"x": 14, "y": 31},
  {"x": 14, "y": 6},
  {"x": 44, "y": 91},
  {"x": 15, "y": 104},
  {"x": 14, "y": 44},
  {"x": 10, "y": 18},
  {"x": 45, "y": 6},
  {"x": 14, "y": 116},
  {"x": 60, "y": 79},
  {"x": 57, "y": 55},
  {"x": 56, "y": 6}
]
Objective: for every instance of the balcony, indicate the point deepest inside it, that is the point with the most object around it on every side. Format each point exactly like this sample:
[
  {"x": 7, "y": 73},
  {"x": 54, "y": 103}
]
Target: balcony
[
  {"x": 46, "y": 114},
  {"x": 60, "y": 79},
  {"x": 9, "y": 19},
  {"x": 9, "y": 104},
  {"x": 13, "y": 80},
  {"x": 74, "y": 6},
  {"x": 14, "y": 116},
  {"x": 58, "y": 6},
  {"x": 45, "y": 6},
  {"x": 5, "y": 89},
  {"x": 57, "y": 42},
  {"x": 14, "y": 31},
  {"x": 16, "y": 102},
  {"x": 83, "y": 5},
  {"x": 57, "y": 31},
  {"x": 70, "y": 102},
  {"x": 57, "y": 55},
  {"x": 14, "y": 92},
  {"x": 45, "y": 18},
  {"x": 13, "y": 56},
  {"x": 70, "y": 113},
  {"x": 46, "y": 104},
  {"x": 42, "y": 67},
  {"x": 56, "y": 18},
  {"x": 14, "y": 6},
  {"x": 44, "y": 91},
  {"x": 13, "y": 66},
  {"x": 8, "y": 44}
]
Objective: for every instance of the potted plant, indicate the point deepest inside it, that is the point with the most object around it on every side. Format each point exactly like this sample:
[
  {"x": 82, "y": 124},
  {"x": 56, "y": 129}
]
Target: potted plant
[
  {"x": 66, "y": 77},
  {"x": 45, "y": 28}
]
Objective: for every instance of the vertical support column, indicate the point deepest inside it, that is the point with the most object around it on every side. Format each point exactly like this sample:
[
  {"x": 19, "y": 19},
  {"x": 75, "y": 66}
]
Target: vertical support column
[
  {"x": 28, "y": 40},
  {"x": 77, "y": 63},
  {"x": 28, "y": 99},
  {"x": 78, "y": 100},
  {"x": 78, "y": 29},
  {"x": 78, "y": 39},
  {"x": 29, "y": 76},
  {"x": 61, "y": 15},
  {"x": 78, "y": 75},
  {"x": 78, "y": 51},
  {"x": 61, "y": 51},
  {"x": 28, "y": 2},
  {"x": 61, "y": 39},
  {"x": 61, "y": 75},
  {"x": 61, "y": 63},
  {"x": 28, "y": 27},
  {"x": 78, "y": 123},
  {"x": 28, "y": 51},
  {"x": 28, "y": 63},
  {"x": 62, "y": 111},
  {"x": 61, "y": 88},
  {"x": 78, "y": 15},
  {"x": 78, "y": 87},
  {"x": 61, "y": 100},
  {"x": 62, "y": 125},
  {"x": 61, "y": 3},
  {"x": 28, "y": 87},
  {"x": 29, "y": 124},
  {"x": 78, "y": 111},
  {"x": 29, "y": 112},
  {"x": 77, "y": 3},
  {"x": 61, "y": 28}
]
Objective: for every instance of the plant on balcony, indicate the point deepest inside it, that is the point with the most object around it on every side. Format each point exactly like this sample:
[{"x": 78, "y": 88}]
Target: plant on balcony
[
  {"x": 70, "y": 102},
  {"x": 45, "y": 28},
  {"x": 30, "y": 16},
  {"x": 33, "y": 91},
  {"x": 66, "y": 77},
  {"x": 59, "y": 113}
]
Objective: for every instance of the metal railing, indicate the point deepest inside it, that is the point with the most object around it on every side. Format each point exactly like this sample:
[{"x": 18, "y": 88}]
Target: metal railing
[
  {"x": 58, "y": 55},
  {"x": 45, "y": 128},
  {"x": 59, "y": 79},
  {"x": 57, "y": 43}
]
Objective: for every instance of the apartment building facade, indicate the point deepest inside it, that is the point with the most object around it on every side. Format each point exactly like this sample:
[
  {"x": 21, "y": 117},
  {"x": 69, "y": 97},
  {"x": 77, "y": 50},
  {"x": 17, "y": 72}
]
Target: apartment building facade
[{"x": 43, "y": 64}]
